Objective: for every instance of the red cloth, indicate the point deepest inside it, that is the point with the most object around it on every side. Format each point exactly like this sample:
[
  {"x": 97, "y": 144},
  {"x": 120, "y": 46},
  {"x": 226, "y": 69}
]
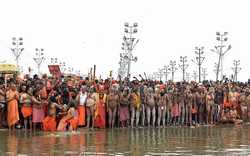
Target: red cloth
[
  {"x": 73, "y": 123},
  {"x": 26, "y": 111},
  {"x": 49, "y": 123},
  {"x": 100, "y": 117},
  {"x": 175, "y": 110},
  {"x": 81, "y": 115}
]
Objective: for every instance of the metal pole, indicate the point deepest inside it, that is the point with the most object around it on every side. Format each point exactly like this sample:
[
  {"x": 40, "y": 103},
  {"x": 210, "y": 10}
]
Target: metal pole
[{"x": 199, "y": 65}]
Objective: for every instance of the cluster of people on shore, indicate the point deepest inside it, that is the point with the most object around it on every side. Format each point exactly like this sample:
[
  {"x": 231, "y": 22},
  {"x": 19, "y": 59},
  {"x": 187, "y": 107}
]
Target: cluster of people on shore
[{"x": 67, "y": 103}]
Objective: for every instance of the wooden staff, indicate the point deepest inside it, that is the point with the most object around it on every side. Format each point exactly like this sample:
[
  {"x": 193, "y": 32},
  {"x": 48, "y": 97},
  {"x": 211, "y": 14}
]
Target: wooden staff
[
  {"x": 91, "y": 78},
  {"x": 94, "y": 72},
  {"x": 145, "y": 76},
  {"x": 110, "y": 83},
  {"x": 141, "y": 77}
]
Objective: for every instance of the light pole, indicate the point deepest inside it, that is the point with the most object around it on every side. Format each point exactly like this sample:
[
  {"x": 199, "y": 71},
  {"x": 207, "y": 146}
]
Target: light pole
[
  {"x": 129, "y": 44},
  {"x": 219, "y": 49},
  {"x": 195, "y": 75},
  {"x": 183, "y": 66},
  {"x": 17, "y": 49},
  {"x": 62, "y": 66},
  {"x": 70, "y": 70},
  {"x": 155, "y": 75},
  {"x": 173, "y": 68},
  {"x": 236, "y": 69},
  {"x": 39, "y": 58},
  {"x": 54, "y": 61},
  {"x": 199, "y": 59},
  {"x": 204, "y": 73},
  {"x": 216, "y": 70},
  {"x": 122, "y": 65},
  {"x": 188, "y": 76},
  {"x": 166, "y": 71},
  {"x": 160, "y": 73}
]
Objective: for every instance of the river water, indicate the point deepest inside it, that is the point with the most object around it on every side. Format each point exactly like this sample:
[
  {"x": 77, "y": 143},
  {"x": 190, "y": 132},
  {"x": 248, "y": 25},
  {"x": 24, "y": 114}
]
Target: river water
[{"x": 219, "y": 140}]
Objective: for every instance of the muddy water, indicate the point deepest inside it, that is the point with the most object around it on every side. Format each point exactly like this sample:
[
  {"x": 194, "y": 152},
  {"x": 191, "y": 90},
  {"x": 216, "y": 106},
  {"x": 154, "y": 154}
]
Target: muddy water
[{"x": 221, "y": 140}]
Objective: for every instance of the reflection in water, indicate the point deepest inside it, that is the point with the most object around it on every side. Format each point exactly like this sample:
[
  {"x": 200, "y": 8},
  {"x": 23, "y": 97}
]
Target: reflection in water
[{"x": 145, "y": 141}]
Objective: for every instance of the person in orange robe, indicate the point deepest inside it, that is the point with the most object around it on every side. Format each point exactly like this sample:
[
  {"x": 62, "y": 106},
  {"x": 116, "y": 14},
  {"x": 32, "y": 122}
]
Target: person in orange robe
[
  {"x": 81, "y": 101},
  {"x": 49, "y": 122},
  {"x": 12, "y": 106},
  {"x": 25, "y": 100},
  {"x": 71, "y": 118},
  {"x": 100, "y": 113}
]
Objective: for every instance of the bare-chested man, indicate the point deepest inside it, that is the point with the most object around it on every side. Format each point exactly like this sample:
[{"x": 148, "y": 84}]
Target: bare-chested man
[
  {"x": 90, "y": 105},
  {"x": 218, "y": 101},
  {"x": 248, "y": 102},
  {"x": 243, "y": 105},
  {"x": 112, "y": 105},
  {"x": 189, "y": 103},
  {"x": 200, "y": 102},
  {"x": 150, "y": 106},
  {"x": 143, "y": 90},
  {"x": 169, "y": 102},
  {"x": 124, "y": 107},
  {"x": 210, "y": 106},
  {"x": 162, "y": 108},
  {"x": 2, "y": 103},
  {"x": 135, "y": 105},
  {"x": 182, "y": 106}
]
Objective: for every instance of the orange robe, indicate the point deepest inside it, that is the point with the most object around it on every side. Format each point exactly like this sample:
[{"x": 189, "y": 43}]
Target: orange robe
[
  {"x": 26, "y": 111},
  {"x": 81, "y": 115},
  {"x": 100, "y": 113},
  {"x": 74, "y": 123},
  {"x": 12, "y": 108},
  {"x": 71, "y": 118},
  {"x": 227, "y": 104},
  {"x": 49, "y": 123}
]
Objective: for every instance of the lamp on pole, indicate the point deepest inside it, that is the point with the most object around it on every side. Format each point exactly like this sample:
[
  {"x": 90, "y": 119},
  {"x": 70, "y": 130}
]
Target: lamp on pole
[
  {"x": 183, "y": 66},
  {"x": 236, "y": 69},
  {"x": 54, "y": 61},
  {"x": 173, "y": 68},
  {"x": 39, "y": 58},
  {"x": 221, "y": 51},
  {"x": 199, "y": 59},
  {"x": 160, "y": 73},
  {"x": 195, "y": 75},
  {"x": 204, "y": 73},
  {"x": 129, "y": 43},
  {"x": 166, "y": 71},
  {"x": 62, "y": 66},
  {"x": 70, "y": 69},
  {"x": 17, "y": 49},
  {"x": 188, "y": 76}
]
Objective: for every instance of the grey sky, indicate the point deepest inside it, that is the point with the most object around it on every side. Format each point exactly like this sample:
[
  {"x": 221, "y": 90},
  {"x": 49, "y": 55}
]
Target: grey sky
[{"x": 83, "y": 33}]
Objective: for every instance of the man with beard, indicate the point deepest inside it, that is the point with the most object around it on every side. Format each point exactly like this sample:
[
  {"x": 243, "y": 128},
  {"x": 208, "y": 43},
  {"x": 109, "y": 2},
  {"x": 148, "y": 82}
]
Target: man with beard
[
  {"x": 218, "y": 101},
  {"x": 135, "y": 100},
  {"x": 248, "y": 102},
  {"x": 200, "y": 102},
  {"x": 150, "y": 106},
  {"x": 112, "y": 105},
  {"x": 2, "y": 103},
  {"x": 162, "y": 108},
  {"x": 124, "y": 107},
  {"x": 243, "y": 104},
  {"x": 90, "y": 105},
  {"x": 143, "y": 90}
]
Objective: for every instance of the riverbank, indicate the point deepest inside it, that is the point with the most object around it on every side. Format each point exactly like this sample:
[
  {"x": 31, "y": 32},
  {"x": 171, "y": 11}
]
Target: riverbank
[{"x": 204, "y": 140}]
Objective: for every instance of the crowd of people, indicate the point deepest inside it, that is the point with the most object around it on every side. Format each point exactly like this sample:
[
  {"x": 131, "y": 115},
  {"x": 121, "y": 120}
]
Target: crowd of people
[{"x": 68, "y": 103}]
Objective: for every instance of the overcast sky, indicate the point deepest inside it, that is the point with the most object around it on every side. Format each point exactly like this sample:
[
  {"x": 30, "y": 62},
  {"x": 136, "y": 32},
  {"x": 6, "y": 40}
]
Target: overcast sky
[{"x": 83, "y": 33}]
